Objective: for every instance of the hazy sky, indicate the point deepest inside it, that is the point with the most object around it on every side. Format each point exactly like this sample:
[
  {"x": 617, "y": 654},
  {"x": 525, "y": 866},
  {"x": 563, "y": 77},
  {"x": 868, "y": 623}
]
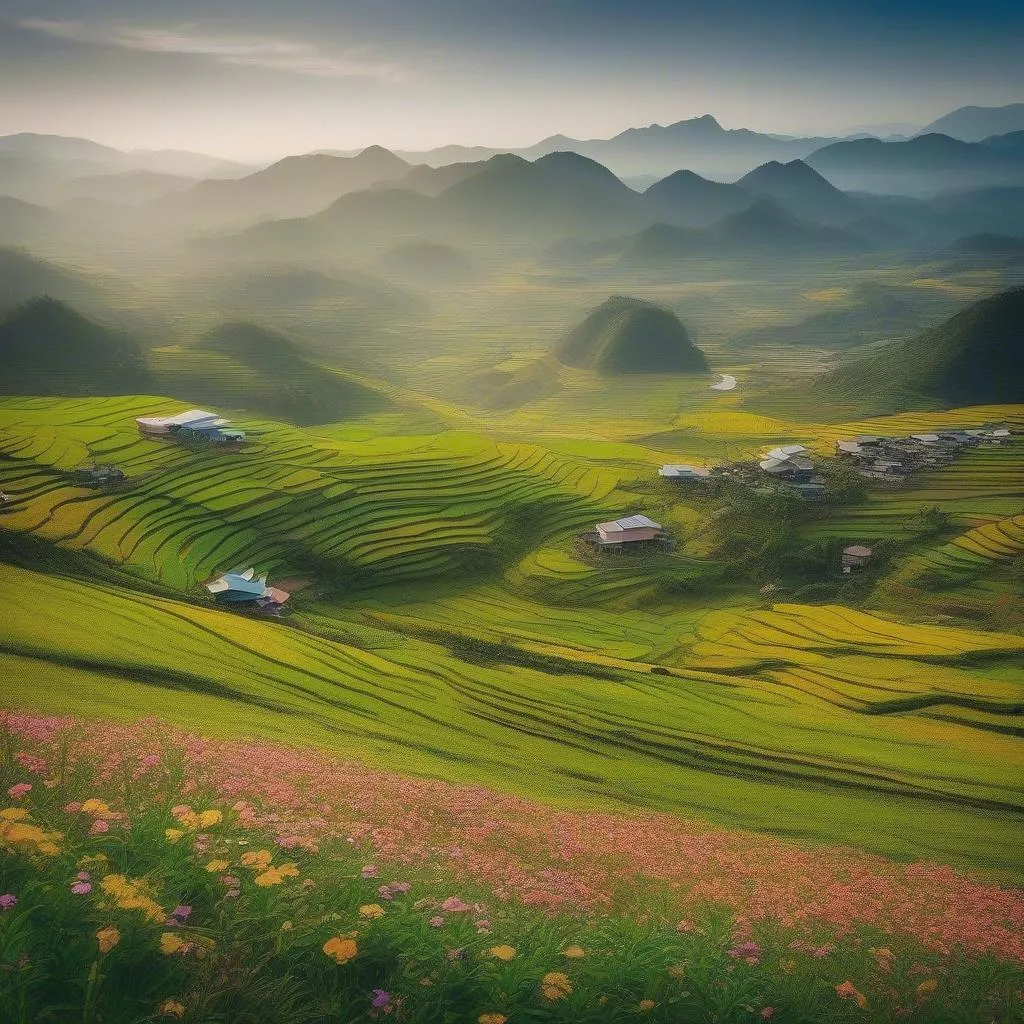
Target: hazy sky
[{"x": 253, "y": 79}]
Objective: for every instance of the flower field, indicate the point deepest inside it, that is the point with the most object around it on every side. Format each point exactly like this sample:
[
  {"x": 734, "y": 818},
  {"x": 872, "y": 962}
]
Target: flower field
[{"x": 147, "y": 873}]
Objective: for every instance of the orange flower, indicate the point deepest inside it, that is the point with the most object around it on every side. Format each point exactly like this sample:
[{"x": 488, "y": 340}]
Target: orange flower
[
  {"x": 927, "y": 988},
  {"x": 108, "y": 938},
  {"x": 847, "y": 991},
  {"x": 217, "y": 866},
  {"x": 646, "y": 1005},
  {"x": 574, "y": 952},
  {"x": 371, "y": 910},
  {"x": 505, "y": 953},
  {"x": 257, "y": 859},
  {"x": 341, "y": 949},
  {"x": 171, "y": 1008},
  {"x": 491, "y": 1018},
  {"x": 555, "y": 985},
  {"x": 208, "y": 818}
]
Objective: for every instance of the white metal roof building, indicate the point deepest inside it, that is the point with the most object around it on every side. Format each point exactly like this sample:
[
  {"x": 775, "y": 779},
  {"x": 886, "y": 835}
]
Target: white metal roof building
[
  {"x": 673, "y": 471},
  {"x": 192, "y": 418}
]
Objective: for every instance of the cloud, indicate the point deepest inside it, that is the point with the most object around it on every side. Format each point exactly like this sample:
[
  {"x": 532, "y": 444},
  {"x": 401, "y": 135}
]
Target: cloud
[{"x": 284, "y": 55}]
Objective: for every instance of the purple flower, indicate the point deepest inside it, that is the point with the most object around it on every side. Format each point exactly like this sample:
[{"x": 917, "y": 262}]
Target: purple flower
[
  {"x": 81, "y": 888},
  {"x": 8, "y": 900},
  {"x": 381, "y": 999},
  {"x": 84, "y": 876},
  {"x": 399, "y": 887},
  {"x": 370, "y": 871},
  {"x": 181, "y": 913},
  {"x": 385, "y": 893}
]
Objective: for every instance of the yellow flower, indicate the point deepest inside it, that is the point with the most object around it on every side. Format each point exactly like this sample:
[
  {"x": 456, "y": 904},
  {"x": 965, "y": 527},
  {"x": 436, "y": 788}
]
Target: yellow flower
[
  {"x": 14, "y": 814},
  {"x": 108, "y": 938},
  {"x": 491, "y": 1018},
  {"x": 505, "y": 953},
  {"x": 257, "y": 859},
  {"x": 18, "y": 833},
  {"x": 574, "y": 952},
  {"x": 268, "y": 878},
  {"x": 371, "y": 910},
  {"x": 646, "y": 1004},
  {"x": 927, "y": 988},
  {"x": 288, "y": 870},
  {"x": 48, "y": 849},
  {"x": 97, "y": 808},
  {"x": 286, "y": 926},
  {"x": 173, "y": 834},
  {"x": 341, "y": 949},
  {"x": 216, "y": 866},
  {"x": 208, "y": 818},
  {"x": 130, "y": 895},
  {"x": 171, "y": 1008},
  {"x": 555, "y": 985},
  {"x": 170, "y": 943}
]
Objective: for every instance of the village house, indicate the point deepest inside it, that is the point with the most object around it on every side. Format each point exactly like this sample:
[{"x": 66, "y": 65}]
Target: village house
[
  {"x": 792, "y": 468},
  {"x": 683, "y": 473},
  {"x": 855, "y": 557},
  {"x": 192, "y": 425},
  {"x": 246, "y": 587},
  {"x": 630, "y": 532}
]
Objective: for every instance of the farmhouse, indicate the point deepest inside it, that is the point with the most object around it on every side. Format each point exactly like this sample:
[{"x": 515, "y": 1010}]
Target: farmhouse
[
  {"x": 246, "y": 587},
  {"x": 632, "y": 530},
  {"x": 855, "y": 557},
  {"x": 793, "y": 468},
  {"x": 682, "y": 473},
  {"x": 195, "y": 424}
]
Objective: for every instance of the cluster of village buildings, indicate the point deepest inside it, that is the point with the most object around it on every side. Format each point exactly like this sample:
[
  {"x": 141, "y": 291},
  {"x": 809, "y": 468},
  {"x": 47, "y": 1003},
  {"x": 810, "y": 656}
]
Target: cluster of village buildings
[{"x": 895, "y": 458}]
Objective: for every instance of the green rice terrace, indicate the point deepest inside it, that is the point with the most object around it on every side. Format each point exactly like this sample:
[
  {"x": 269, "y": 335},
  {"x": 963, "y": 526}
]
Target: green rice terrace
[{"x": 448, "y": 621}]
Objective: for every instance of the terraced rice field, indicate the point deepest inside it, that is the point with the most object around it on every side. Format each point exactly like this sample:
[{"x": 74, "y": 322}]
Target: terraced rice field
[
  {"x": 395, "y": 508},
  {"x": 737, "y": 747}
]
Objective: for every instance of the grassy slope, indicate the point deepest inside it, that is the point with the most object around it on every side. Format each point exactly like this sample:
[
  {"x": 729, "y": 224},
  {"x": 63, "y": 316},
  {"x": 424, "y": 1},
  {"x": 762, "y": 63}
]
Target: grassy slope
[{"x": 740, "y": 749}]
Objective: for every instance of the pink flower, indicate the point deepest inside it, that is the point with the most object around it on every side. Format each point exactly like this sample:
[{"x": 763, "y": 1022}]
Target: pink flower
[
  {"x": 19, "y": 789},
  {"x": 98, "y": 827},
  {"x": 453, "y": 905},
  {"x": 181, "y": 913},
  {"x": 30, "y": 762},
  {"x": 767, "y": 1013},
  {"x": 233, "y": 894},
  {"x": 83, "y": 876},
  {"x": 8, "y": 900},
  {"x": 399, "y": 887},
  {"x": 483, "y": 927},
  {"x": 385, "y": 893},
  {"x": 370, "y": 871},
  {"x": 81, "y": 888},
  {"x": 74, "y": 807},
  {"x": 150, "y": 761},
  {"x": 436, "y": 922}
]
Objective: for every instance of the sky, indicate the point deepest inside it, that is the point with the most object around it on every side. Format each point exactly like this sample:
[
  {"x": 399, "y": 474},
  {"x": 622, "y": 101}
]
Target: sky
[{"x": 256, "y": 79}]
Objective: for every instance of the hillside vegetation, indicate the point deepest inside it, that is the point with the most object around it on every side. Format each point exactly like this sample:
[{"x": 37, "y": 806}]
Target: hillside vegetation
[
  {"x": 627, "y": 335},
  {"x": 975, "y": 357}
]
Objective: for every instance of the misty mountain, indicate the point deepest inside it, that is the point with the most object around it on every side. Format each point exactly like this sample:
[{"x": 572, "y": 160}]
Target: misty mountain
[
  {"x": 766, "y": 227},
  {"x": 296, "y": 186},
  {"x": 803, "y": 192},
  {"x": 979, "y": 211},
  {"x": 60, "y": 147},
  {"x": 131, "y": 187},
  {"x": 427, "y": 263},
  {"x": 922, "y": 166},
  {"x": 24, "y": 223},
  {"x": 685, "y": 198},
  {"x": 23, "y": 276},
  {"x": 46, "y": 347},
  {"x": 432, "y": 181},
  {"x": 973, "y": 124},
  {"x": 700, "y": 144},
  {"x": 989, "y": 245}
]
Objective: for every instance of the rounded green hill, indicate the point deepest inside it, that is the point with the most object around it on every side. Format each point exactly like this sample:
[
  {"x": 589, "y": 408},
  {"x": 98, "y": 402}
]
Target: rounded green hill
[{"x": 627, "y": 335}]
